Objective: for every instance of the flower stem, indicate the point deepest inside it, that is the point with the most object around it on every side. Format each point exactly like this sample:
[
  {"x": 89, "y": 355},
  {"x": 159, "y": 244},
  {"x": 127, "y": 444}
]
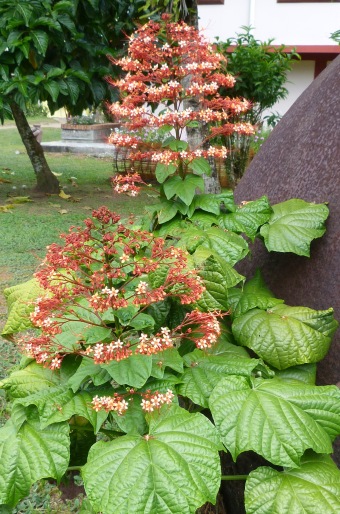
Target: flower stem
[{"x": 74, "y": 468}]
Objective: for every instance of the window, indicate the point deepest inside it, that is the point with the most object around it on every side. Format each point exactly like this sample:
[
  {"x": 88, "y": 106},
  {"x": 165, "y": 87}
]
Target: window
[
  {"x": 205, "y": 2},
  {"x": 307, "y": 1}
]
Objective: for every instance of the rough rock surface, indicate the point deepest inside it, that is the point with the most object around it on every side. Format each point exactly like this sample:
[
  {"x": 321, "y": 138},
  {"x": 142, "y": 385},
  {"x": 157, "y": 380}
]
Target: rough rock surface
[{"x": 301, "y": 159}]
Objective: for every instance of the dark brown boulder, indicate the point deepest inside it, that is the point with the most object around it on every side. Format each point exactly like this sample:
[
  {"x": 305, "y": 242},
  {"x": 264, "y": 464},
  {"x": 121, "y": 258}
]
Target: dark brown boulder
[{"x": 301, "y": 159}]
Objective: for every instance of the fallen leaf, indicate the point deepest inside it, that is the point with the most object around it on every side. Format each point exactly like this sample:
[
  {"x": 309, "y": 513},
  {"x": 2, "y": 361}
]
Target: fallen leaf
[
  {"x": 57, "y": 205},
  {"x": 63, "y": 195},
  {"x": 19, "y": 199},
  {"x": 63, "y": 211},
  {"x": 5, "y": 181},
  {"x": 6, "y": 208},
  {"x": 87, "y": 208},
  {"x": 57, "y": 174},
  {"x": 74, "y": 199}
]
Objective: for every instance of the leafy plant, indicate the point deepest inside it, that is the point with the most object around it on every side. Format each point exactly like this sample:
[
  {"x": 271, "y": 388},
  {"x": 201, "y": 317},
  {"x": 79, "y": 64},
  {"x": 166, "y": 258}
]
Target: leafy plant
[
  {"x": 125, "y": 330},
  {"x": 151, "y": 356},
  {"x": 261, "y": 72}
]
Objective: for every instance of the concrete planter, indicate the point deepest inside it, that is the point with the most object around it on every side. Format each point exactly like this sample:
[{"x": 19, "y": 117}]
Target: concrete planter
[{"x": 87, "y": 133}]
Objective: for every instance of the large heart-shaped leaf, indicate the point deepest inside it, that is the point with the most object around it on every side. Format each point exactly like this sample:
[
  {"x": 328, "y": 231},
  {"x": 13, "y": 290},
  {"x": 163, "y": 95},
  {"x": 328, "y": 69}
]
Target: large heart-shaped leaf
[
  {"x": 185, "y": 188},
  {"x": 88, "y": 370},
  {"x": 30, "y": 380},
  {"x": 248, "y": 217},
  {"x": 173, "y": 469},
  {"x": 285, "y": 336},
  {"x": 29, "y": 454},
  {"x": 19, "y": 302},
  {"x": 133, "y": 371},
  {"x": 205, "y": 370},
  {"x": 201, "y": 166},
  {"x": 293, "y": 226},
  {"x": 163, "y": 171},
  {"x": 276, "y": 419},
  {"x": 218, "y": 276},
  {"x": 169, "y": 358},
  {"x": 222, "y": 243},
  {"x": 254, "y": 294},
  {"x": 57, "y": 404},
  {"x": 312, "y": 488}
]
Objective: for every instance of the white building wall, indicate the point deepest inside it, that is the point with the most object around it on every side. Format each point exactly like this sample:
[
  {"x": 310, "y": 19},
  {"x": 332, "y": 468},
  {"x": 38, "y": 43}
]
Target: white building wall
[{"x": 290, "y": 24}]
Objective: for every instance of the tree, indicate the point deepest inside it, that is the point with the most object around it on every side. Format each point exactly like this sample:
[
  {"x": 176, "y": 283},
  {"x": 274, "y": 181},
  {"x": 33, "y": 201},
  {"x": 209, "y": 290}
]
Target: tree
[
  {"x": 261, "y": 72},
  {"x": 55, "y": 51}
]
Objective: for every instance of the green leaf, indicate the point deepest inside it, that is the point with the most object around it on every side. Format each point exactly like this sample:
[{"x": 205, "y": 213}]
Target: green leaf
[
  {"x": 177, "y": 145},
  {"x": 218, "y": 276},
  {"x": 207, "y": 203},
  {"x": 133, "y": 421},
  {"x": 305, "y": 373},
  {"x": 65, "y": 20},
  {"x": 19, "y": 302},
  {"x": 248, "y": 217},
  {"x": 96, "y": 334},
  {"x": 200, "y": 166},
  {"x": 201, "y": 219},
  {"x": 159, "y": 311},
  {"x": 125, "y": 314},
  {"x": 285, "y": 336},
  {"x": 227, "y": 245},
  {"x": 30, "y": 380},
  {"x": 58, "y": 404},
  {"x": 312, "y": 488},
  {"x": 254, "y": 294},
  {"x": 206, "y": 369},
  {"x": 88, "y": 370},
  {"x": 293, "y": 226},
  {"x": 30, "y": 454},
  {"x": 212, "y": 203},
  {"x": 24, "y": 11},
  {"x": 157, "y": 278},
  {"x": 82, "y": 75},
  {"x": 142, "y": 321},
  {"x": 169, "y": 358},
  {"x": 276, "y": 419},
  {"x": 174, "y": 468},
  {"x": 52, "y": 87},
  {"x": 73, "y": 89},
  {"x": 133, "y": 371},
  {"x": 40, "y": 40},
  {"x": 184, "y": 189},
  {"x": 163, "y": 171},
  {"x": 167, "y": 211}
]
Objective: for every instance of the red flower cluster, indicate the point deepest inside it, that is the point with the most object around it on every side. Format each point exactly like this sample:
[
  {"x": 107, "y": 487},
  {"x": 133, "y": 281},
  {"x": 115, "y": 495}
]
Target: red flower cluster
[
  {"x": 99, "y": 271},
  {"x": 150, "y": 401},
  {"x": 167, "y": 64}
]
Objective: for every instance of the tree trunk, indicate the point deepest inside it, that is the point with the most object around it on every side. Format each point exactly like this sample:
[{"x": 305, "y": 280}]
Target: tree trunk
[{"x": 46, "y": 181}]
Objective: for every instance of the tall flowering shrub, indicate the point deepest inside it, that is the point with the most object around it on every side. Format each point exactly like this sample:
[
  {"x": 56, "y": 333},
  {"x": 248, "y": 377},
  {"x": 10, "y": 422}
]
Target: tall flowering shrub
[
  {"x": 151, "y": 355},
  {"x": 168, "y": 64}
]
